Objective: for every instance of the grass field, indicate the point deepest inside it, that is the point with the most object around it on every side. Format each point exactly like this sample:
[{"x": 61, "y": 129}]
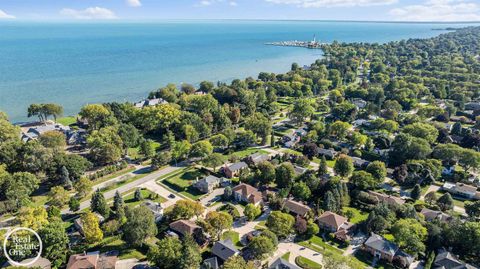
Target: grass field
[
  {"x": 146, "y": 194},
  {"x": 307, "y": 263},
  {"x": 67, "y": 120},
  {"x": 116, "y": 243}
]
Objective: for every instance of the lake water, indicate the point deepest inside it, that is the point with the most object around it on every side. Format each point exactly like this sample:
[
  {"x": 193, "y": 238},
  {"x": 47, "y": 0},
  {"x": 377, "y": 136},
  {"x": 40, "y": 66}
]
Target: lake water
[{"x": 73, "y": 64}]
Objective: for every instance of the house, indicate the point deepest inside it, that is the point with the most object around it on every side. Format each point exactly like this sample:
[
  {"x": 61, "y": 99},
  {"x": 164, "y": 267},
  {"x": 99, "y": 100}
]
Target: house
[
  {"x": 185, "y": 227},
  {"x": 431, "y": 215},
  {"x": 359, "y": 162},
  {"x": 383, "y": 249},
  {"x": 296, "y": 208},
  {"x": 34, "y": 132},
  {"x": 289, "y": 141},
  {"x": 92, "y": 260},
  {"x": 359, "y": 103},
  {"x": 384, "y": 198},
  {"x": 257, "y": 158},
  {"x": 447, "y": 260},
  {"x": 150, "y": 102},
  {"x": 246, "y": 193},
  {"x": 224, "y": 249},
  {"x": 461, "y": 189},
  {"x": 329, "y": 154},
  {"x": 78, "y": 223},
  {"x": 78, "y": 137},
  {"x": 40, "y": 263},
  {"x": 234, "y": 170},
  {"x": 156, "y": 209},
  {"x": 282, "y": 264},
  {"x": 209, "y": 183},
  {"x": 336, "y": 224},
  {"x": 299, "y": 170}
]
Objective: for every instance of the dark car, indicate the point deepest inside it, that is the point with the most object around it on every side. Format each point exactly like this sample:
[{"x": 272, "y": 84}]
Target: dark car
[{"x": 171, "y": 196}]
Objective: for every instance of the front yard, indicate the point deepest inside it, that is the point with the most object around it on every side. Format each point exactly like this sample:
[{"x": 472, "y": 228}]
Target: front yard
[{"x": 183, "y": 181}]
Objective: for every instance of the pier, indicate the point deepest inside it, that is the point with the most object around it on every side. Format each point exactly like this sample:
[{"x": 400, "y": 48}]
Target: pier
[{"x": 314, "y": 44}]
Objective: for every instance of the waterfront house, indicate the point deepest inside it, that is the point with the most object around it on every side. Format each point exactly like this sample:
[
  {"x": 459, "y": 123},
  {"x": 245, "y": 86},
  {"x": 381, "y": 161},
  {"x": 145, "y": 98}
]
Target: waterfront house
[
  {"x": 234, "y": 170},
  {"x": 156, "y": 209},
  {"x": 224, "y": 249},
  {"x": 33, "y": 132},
  {"x": 256, "y": 158},
  {"x": 282, "y": 264},
  {"x": 383, "y": 249},
  {"x": 92, "y": 260},
  {"x": 461, "y": 189},
  {"x": 150, "y": 102},
  {"x": 247, "y": 194},
  {"x": 296, "y": 208}
]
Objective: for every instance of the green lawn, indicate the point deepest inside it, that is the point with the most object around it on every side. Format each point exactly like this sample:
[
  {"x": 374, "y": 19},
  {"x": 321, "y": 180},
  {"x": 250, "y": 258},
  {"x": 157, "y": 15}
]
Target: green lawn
[
  {"x": 358, "y": 216},
  {"x": 146, "y": 194},
  {"x": 331, "y": 163},
  {"x": 286, "y": 256},
  {"x": 114, "y": 175},
  {"x": 244, "y": 153},
  {"x": 116, "y": 243},
  {"x": 67, "y": 120},
  {"x": 318, "y": 241},
  {"x": 234, "y": 236},
  {"x": 291, "y": 151},
  {"x": 307, "y": 263},
  {"x": 389, "y": 237},
  {"x": 182, "y": 182}
]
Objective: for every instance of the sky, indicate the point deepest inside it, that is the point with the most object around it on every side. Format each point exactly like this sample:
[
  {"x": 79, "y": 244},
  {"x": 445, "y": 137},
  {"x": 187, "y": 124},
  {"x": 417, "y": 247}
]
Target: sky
[{"x": 154, "y": 10}]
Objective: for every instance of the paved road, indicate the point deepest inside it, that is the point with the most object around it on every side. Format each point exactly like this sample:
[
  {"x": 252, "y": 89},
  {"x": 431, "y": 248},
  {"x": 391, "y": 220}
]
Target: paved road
[
  {"x": 150, "y": 177},
  {"x": 435, "y": 188}
]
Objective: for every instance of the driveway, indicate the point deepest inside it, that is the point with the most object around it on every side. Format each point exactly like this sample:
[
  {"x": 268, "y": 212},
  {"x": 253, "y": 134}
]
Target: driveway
[
  {"x": 295, "y": 251},
  {"x": 209, "y": 197},
  {"x": 160, "y": 190}
]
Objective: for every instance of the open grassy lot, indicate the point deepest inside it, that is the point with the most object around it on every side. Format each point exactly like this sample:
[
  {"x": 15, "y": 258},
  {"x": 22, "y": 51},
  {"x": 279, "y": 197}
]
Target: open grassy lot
[
  {"x": 244, "y": 153},
  {"x": 183, "y": 181},
  {"x": 307, "y": 263},
  {"x": 116, "y": 243}
]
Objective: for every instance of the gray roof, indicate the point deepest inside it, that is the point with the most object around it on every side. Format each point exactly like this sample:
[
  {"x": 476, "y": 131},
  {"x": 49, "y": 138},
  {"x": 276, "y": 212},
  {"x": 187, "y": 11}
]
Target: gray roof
[
  {"x": 379, "y": 243},
  {"x": 447, "y": 260},
  {"x": 211, "y": 179},
  {"x": 210, "y": 263},
  {"x": 237, "y": 166},
  {"x": 224, "y": 249},
  {"x": 282, "y": 264}
]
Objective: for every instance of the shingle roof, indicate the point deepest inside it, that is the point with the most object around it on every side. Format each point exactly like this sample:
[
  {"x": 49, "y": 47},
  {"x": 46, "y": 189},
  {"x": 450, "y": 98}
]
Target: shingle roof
[
  {"x": 81, "y": 261},
  {"x": 332, "y": 220},
  {"x": 184, "y": 227},
  {"x": 296, "y": 207},
  {"x": 389, "y": 199},
  {"x": 282, "y": 264},
  {"x": 224, "y": 249},
  {"x": 237, "y": 166},
  {"x": 249, "y": 192},
  {"x": 379, "y": 243}
]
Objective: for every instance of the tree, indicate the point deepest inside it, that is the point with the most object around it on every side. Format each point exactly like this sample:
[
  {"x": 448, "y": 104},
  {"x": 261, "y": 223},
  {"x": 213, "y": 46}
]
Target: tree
[
  {"x": 19, "y": 186},
  {"x": 217, "y": 222},
  {"x": 91, "y": 228},
  {"x": 130, "y": 135},
  {"x": 422, "y": 130},
  {"x": 83, "y": 187},
  {"x": 140, "y": 226},
  {"x": 105, "y": 145},
  {"x": 55, "y": 243},
  {"x": 73, "y": 204},
  {"x": 43, "y": 111},
  {"x": 186, "y": 209},
  {"x": 117, "y": 201},
  {"x": 409, "y": 234},
  {"x": 65, "y": 178},
  {"x": 363, "y": 180},
  {"x": 191, "y": 257},
  {"x": 160, "y": 159},
  {"x": 265, "y": 172},
  {"x": 406, "y": 147},
  {"x": 213, "y": 160},
  {"x": 99, "y": 204},
  {"x": 378, "y": 170},
  {"x": 75, "y": 164},
  {"x": 280, "y": 223},
  {"x": 167, "y": 253},
  {"x": 343, "y": 166},
  {"x": 473, "y": 209},
  {"x": 227, "y": 193},
  {"x": 445, "y": 202},
  {"x": 58, "y": 196},
  {"x": 138, "y": 195},
  {"x": 301, "y": 110},
  {"x": 261, "y": 246},
  {"x": 301, "y": 191},
  {"x": 237, "y": 262},
  {"x": 300, "y": 225},
  {"x": 416, "y": 192},
  {"x": 339, "y": 129},
  {"x": 312, "y": 229},
  {"x": 53, "y": 139},
  {"x": 201, "y": 149},
  {"x": 284, "y": 174},
  {"x": 180, "y": 150},
  {"x": 323, "y": 167},
  {"x": 147, "y": 148},
  {"x": 33, "y": 217},
  {"x": 358, "y": 140},
  {"x": 219, "y": 140},
  {"x": 431, "y": 197},
  {"x": 95, "y": 114},
  {"x": 260, "y": 125},
  {"x": 310, "y": 150},
  {"x": 252, "y": 212}
]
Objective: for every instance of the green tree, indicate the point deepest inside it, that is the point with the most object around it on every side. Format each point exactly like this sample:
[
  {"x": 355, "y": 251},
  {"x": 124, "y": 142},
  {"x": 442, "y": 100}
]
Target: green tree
[
  {"x": 95, "y": 114},
  {"x": 160, "y": 159},
  {"x": 445, "y": 202},
  {"x": 237, "y": 262},
  {"x": 473, "y": 209},
  {"x": 280, "y": 223},
  {"x": 343, "y": 166},
  {"x": 53, "y": 139},
  {"x": 140, "y": 226},
  {"x": 83, "y": 187},
  {"x": 301, "y": 191},
  {"x": 261, "y": 246},
  {"x": 409, "y": 234},
  {"x": 422, "y": 130},
  {"x": 323, "y": 167},
  {"x": 99, "y": 204},
  {"x": 55, "y": 243},
  {"x": 130, "y": 135},
  {"x": 73, "y": 204},
  {"x": 58, "y": 196},
  {"x": 105, "y": 145},
  {"x": 138, "y": 195},
  {"x": 260, "y": 125},
  {"x": 265, "y": 172},
  {"x": 363, "y": 180},
  {"x": 339, "y": 129},
  {"x": 167, "y": 253},
  {"x": 34, "y": 217},
  {"x": 217, "y": 222},
  {"x": 416, "y": 192},
  {"x": 301, "y": 110},
  {"x": 252, "y": 212},
  {"x": 191, "y": 257},
  {"x": 91, "y": 228},
  {"x": 284, "y": 175},
  {"x": 147, "y": 148},
  {"x": 378, "y": 170},
  {"x": 214, "y": 160},
  {"x": 180, "y": 150},
  {"x": 201, "y": 149}
]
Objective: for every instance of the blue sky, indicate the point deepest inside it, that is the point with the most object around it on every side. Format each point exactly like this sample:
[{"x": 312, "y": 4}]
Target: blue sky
[{"x": 149, "y": 10}]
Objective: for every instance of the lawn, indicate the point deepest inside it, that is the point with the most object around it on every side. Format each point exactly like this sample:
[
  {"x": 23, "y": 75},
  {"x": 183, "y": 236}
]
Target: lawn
[
  {"x": 286, "y": 256},
  {"x": 116, "y": 243},
  {"x": 146, "y": 194},
  {"x": 182, "y": 182},
  {"x": 307, "y": 263},
  {"x": 318, "y": 241},
  {"x": 114, "y": 175},
  {"x": 234, "y": 236},
  {"x": 357, "y": 215},
  {"x": 67, "y": 120},
  {"x": 291, "y": 151},
  {"x": 244, "y": 153}
]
